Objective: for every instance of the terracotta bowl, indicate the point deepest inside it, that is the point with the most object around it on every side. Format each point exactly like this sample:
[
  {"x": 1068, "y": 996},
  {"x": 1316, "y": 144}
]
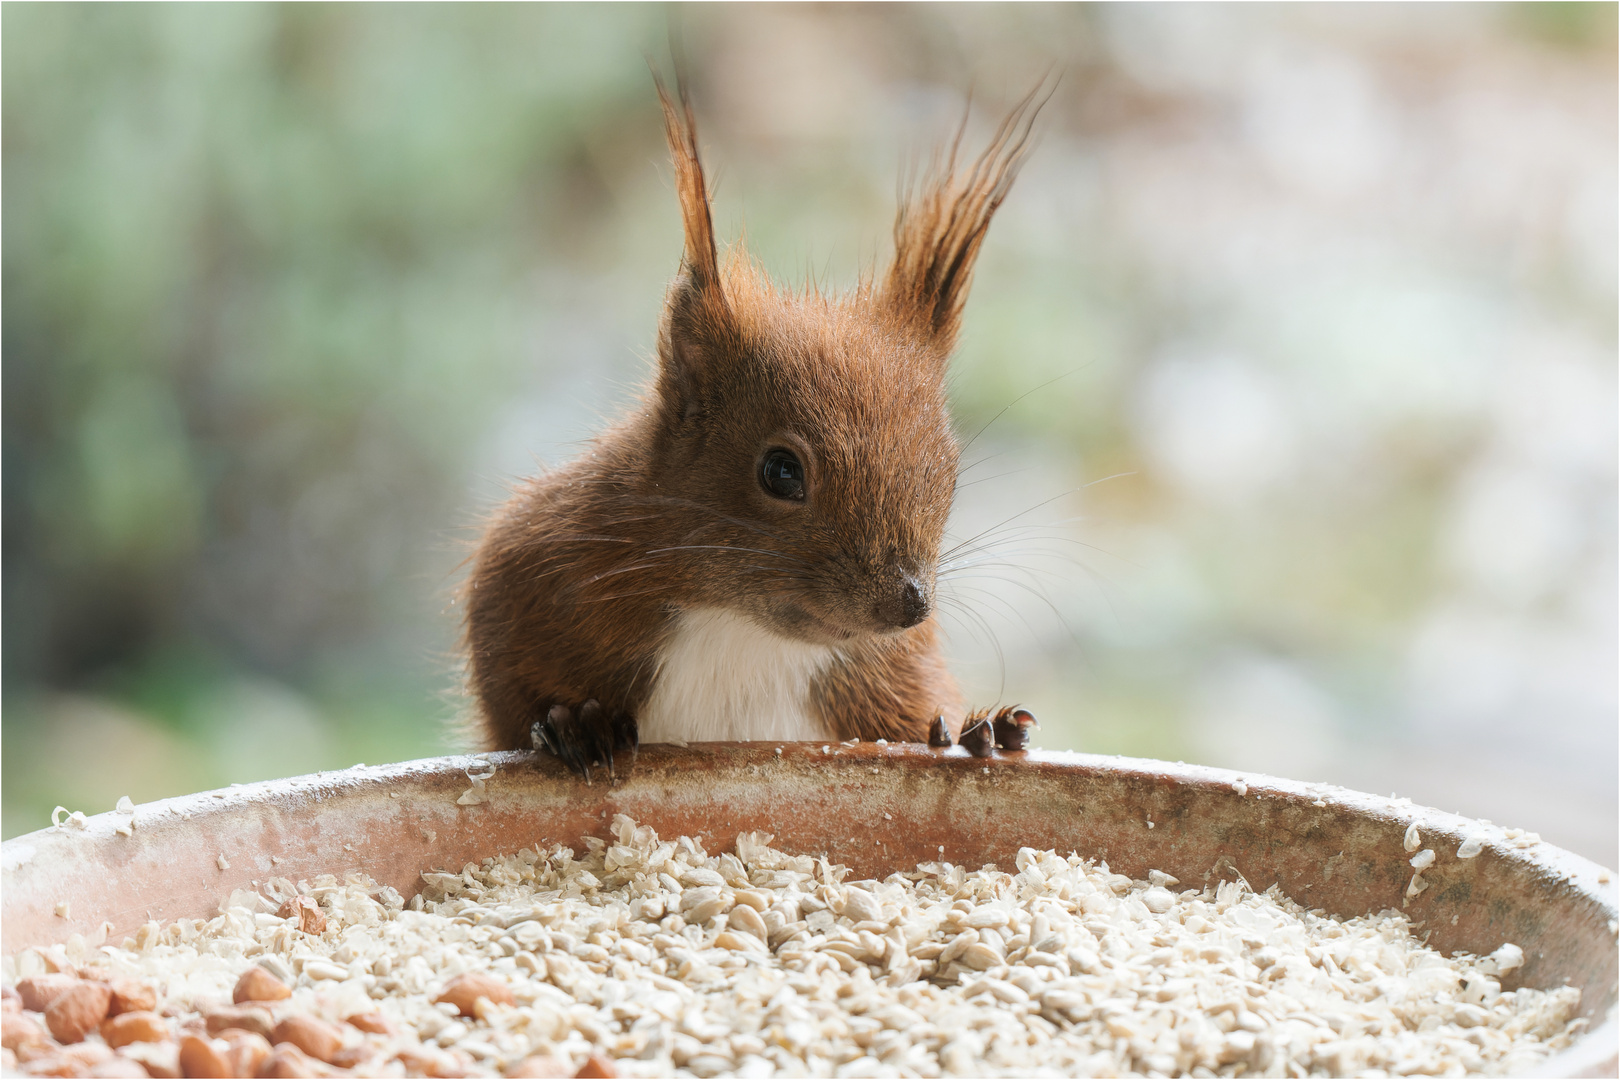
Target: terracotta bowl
[{"x": 877, "y": 808}]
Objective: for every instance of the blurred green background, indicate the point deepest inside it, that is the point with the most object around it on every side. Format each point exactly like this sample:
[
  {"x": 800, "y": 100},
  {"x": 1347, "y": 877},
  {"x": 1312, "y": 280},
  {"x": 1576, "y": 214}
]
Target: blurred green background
[{"x": 1296, "y": 342}]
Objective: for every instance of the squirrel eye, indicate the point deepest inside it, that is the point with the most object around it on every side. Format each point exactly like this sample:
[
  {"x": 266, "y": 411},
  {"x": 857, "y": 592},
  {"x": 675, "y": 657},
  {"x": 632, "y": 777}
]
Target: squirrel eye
[{"x": 782, "y": 475}]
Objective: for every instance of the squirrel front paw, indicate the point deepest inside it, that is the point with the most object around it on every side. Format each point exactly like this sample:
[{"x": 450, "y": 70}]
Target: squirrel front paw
[
  {"x": 585, "y": 737},
  {"x": 982, "y": 733}
]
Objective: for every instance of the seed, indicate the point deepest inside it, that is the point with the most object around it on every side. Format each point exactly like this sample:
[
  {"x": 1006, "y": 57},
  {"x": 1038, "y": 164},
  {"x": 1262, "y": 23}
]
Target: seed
[
  {"x": 77, "y": 1011},
  {"x": 1412, "y": 840},
  {"x": 319, "y": 970},
  {"x": 310, "y": 918},
  {"x": 746, "y": 919},
  {"x": 543, "y": 1065},
  {"x": 980, "y": 956},
  {"x": 247, "y": 1017},
  {"x": 20, "y": 1028},
  {"x": 373, "y": 1023},
  {"x": 700, "y": 905},
  {"x": 1423, "y": 859},
  {"x": 463, "y": 992},
  {"x": 131, "y": 995},
  {"x": 289, "y": 1061},
  {"x": 126, "y": 1028},
  {"x": 983, "y": 917},
  {"x": 861, "y": 906},
  {"x": 39, "y": 991},
  {"x": 118, "y": 1065},
  {"x": 313, "y": 1036},
  {"x": 245, "y": 1052},
  {"x": 201, "y": 1058},
  {"x": 158, "y": 1059},
  {"x": 726, "y": 939},
  {"x": 257, "y": 984},
  {"x": 597, "y": 1067}
]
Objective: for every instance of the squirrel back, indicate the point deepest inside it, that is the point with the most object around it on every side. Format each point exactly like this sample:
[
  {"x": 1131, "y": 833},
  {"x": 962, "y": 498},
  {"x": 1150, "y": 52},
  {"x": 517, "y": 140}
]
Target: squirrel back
[{"x": 752, "y": 551}]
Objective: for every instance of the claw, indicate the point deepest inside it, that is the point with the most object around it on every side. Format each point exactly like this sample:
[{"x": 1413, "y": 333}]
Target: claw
[
  {"x": 585, "y": 737},
  {"x": 939, "y": 734},
  {"x": 977, "y": 734},
  {"x": 540, "y": 737},
  {"x": 1012, "y": 726},
  {"x": 600, "y": 750},
  {"x": 562, "y": 738}
]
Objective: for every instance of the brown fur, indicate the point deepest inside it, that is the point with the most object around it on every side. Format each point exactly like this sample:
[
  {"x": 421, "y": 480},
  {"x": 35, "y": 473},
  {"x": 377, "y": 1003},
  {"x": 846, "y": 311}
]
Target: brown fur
[{"x": 583, "y": 572}]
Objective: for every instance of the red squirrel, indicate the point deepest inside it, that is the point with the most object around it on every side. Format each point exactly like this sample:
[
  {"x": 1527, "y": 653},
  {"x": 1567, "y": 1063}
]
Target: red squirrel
[{"x": 751, "y": 553}]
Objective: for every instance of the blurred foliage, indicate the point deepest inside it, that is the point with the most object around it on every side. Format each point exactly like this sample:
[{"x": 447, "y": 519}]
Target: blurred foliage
[{"x": 1291, "y": 358}]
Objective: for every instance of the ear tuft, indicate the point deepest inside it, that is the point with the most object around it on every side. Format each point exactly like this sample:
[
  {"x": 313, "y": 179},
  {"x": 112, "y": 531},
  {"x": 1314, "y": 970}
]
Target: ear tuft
[
  {"x": 939, "y": 229},
  {"x": 701, "y": 264},
  {"x": 697, "y": 336}
]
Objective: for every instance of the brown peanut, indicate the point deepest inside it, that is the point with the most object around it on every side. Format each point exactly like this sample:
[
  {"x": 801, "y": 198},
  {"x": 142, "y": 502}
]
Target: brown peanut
[
  {"x": 247, "y": 1017},
  {"x": 308, "y": 913},
  {"x": 158, "y": 1059},
  {"x": 19, "y": 1027},
  {"x": 257, "y": 984},
  {"x": 38, "y": 991},
  {"x": 372, "y": 1023},
  {"x": 199, "y": 1057},
  {"x": 77, "y": 1011},
  {"x": 463, "y": 992},
  {"x": 245, "y": 1051},
  {"x": 287, "y": 1061},
  {"x": 130, "y": 1027},
  {"x": 310, "y": 1034},
  {"x": 131, "y": 995},
  {"x": 597, "y": 1066}
]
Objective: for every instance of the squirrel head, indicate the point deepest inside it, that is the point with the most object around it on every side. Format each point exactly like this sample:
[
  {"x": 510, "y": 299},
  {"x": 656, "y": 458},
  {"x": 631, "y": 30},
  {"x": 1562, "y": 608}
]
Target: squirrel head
[{"x": 804, "y": 438}]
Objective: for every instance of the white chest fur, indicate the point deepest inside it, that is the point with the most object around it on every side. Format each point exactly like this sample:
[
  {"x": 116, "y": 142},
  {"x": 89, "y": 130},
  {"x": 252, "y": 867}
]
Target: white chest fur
[{"x": 724, "y": 677}]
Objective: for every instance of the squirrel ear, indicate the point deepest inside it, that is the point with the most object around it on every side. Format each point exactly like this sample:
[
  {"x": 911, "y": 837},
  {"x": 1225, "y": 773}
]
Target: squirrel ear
[
  {"x": 697, "y": 316},
  {"x": 940, "y": 227}
]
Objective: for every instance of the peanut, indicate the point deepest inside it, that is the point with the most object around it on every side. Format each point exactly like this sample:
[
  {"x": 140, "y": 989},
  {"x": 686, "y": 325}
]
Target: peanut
[
  {"x": 245, "y": 1051},
  {"x": 310, "y": 1034},
  {"x": 247, "y": 1017},
  {"x": 463, "y": 992},
  {"x": 257, "y": 984},
  {"x": 77, "y": 1011},
  {"x": 307, "y": 912},
  {"x": 125, "y": 1028},
  {"x": 131, "y": 995},
  {"x": 199, "y": 1057},
  {"x": 39, "y": 991},
  {"x": 372, "y": 1023},
  {"x": 287, "y": 1061},
  {"x": 597, "y": 1066},
  {"x": 19, "y": 1027}
]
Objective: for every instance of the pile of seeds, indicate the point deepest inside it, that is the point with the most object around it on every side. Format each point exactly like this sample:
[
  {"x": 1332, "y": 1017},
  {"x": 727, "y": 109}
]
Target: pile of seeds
[{"x": 652, "y": 958}]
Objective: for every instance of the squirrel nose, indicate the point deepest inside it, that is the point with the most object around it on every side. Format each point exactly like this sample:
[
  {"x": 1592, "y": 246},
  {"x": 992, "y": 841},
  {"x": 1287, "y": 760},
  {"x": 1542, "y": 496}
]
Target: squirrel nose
[{"x": 913, "y": 604}]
